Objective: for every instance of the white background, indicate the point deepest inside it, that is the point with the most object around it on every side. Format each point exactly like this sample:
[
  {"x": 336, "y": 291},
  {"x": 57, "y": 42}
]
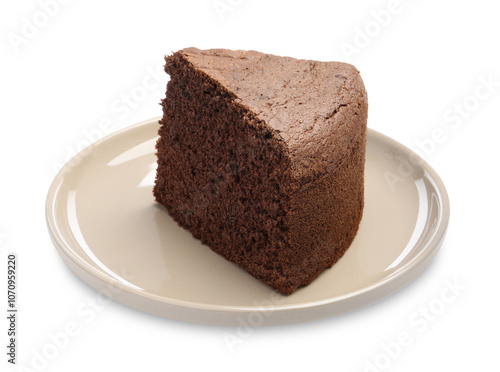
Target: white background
[{"x": 68, "y": 68}]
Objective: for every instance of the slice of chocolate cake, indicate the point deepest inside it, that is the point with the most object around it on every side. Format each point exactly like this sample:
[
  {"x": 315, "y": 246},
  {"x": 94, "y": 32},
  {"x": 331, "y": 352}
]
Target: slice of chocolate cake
[{"x": 262, "y": 158}]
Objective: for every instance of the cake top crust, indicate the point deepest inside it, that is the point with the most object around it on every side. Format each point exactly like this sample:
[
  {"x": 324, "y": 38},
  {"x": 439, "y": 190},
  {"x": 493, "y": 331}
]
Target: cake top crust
[{"x": 316, "y": 108}]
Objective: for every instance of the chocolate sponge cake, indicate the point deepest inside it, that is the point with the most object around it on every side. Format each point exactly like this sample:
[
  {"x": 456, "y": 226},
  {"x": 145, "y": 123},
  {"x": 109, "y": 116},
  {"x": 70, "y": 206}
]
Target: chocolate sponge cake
[{"x": 262, "y": 158}]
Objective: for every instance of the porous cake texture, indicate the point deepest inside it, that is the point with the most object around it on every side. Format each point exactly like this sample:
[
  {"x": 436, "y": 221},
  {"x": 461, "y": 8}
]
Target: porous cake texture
[{"x": 262, "y": 158}]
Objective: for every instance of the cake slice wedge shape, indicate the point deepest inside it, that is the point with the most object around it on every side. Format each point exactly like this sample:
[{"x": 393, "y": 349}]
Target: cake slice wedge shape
[{"x": 262, "y": 157}]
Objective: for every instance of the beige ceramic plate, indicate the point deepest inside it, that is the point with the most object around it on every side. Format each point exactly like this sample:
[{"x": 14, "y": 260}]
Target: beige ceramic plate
[{"x": 104, "y": 223}]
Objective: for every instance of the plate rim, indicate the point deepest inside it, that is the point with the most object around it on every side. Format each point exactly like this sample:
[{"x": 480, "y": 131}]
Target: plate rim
[{"x": 404, "y": 274}]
